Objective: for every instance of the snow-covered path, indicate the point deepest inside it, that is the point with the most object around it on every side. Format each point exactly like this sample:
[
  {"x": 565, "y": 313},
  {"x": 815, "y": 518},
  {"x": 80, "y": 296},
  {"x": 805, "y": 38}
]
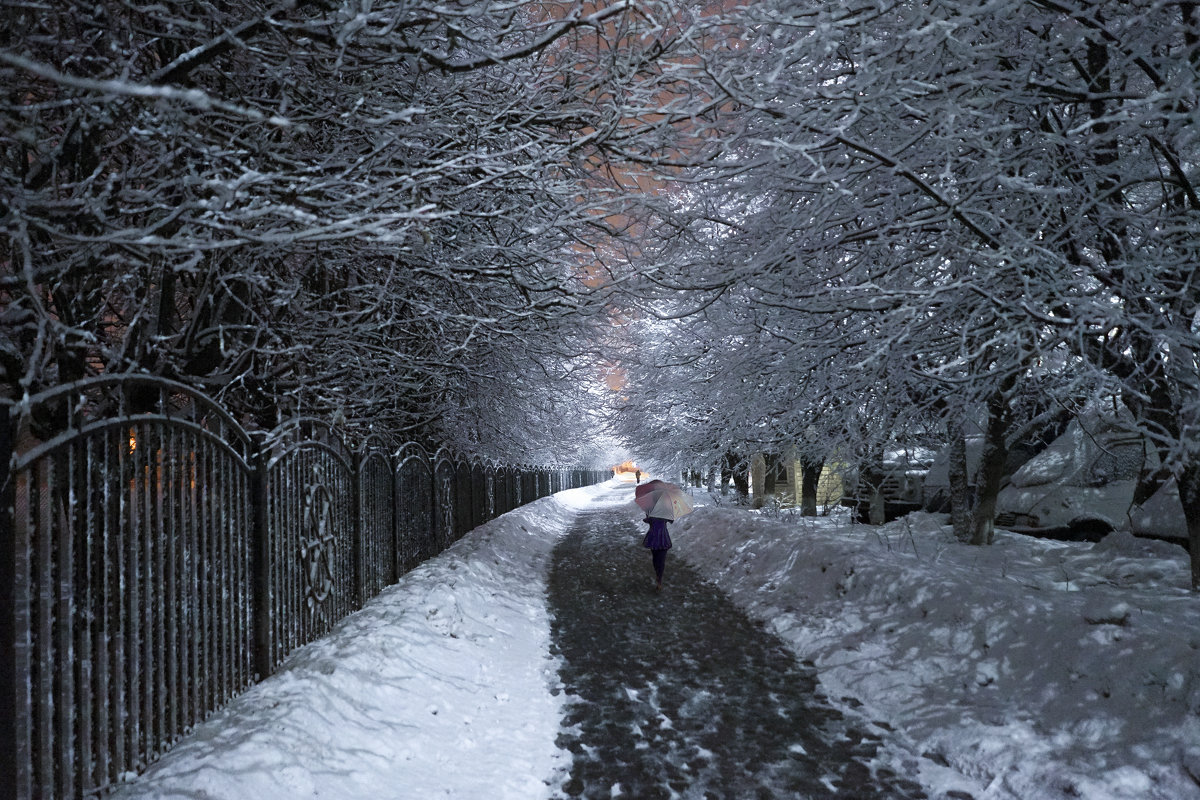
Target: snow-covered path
[{"x": 678, "y": 694}]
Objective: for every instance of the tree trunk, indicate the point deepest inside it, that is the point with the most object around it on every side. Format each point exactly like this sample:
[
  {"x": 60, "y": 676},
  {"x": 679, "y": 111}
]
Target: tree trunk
[
  {"x": 877, "y": 511},
  {"x": 727, "y": 472},
  {"x": 737, "y": 473},
  {"x": 960, "y": 487},
  {"x": 810, "y": 477},
  {"x": 1188, "y": 481},
  {"x": 1156, "y": 409},
  {"x": 990, "y": 473},
  {"x": 870, "y": 481},
  {"x": 758, "y": 480}
]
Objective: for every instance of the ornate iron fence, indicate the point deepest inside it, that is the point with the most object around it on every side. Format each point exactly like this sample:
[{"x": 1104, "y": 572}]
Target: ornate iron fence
[
  {"x": 311, "y": 505},
  {"x": 156, "y": 559},
  {"x": 380, "y": 558},
  {"x": 414, "y": 505}
]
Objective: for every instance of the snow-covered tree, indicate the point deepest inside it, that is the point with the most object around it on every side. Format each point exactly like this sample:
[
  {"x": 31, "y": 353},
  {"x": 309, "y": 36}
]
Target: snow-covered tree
[
  {"x": 998, "y": 187},
  {"x": 366, "y": 211}
]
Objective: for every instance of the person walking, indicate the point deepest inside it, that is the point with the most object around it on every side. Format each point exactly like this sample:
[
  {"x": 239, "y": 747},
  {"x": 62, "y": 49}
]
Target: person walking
[
  {"x": 658, "y": 541},
  {"x": 661, "y": 502}
]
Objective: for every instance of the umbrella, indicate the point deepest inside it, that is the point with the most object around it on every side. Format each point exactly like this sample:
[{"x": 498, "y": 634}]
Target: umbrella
[{"x": 663, "y": 500}]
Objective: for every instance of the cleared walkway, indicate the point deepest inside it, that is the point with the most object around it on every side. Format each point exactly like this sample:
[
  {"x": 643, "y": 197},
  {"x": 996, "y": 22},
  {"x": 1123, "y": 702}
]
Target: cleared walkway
[{"x": 681, "y": 694}]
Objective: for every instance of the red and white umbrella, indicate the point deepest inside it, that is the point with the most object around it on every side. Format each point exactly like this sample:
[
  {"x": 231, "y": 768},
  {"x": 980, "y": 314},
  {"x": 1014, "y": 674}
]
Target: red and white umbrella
[{"x": 663, "y": 500}]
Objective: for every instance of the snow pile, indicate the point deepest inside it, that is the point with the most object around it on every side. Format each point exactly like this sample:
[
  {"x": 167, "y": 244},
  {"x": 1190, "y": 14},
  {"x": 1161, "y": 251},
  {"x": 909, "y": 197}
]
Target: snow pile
[
  {"x": 1041, "y": 669},
  {"x": 441, "y": 686}
]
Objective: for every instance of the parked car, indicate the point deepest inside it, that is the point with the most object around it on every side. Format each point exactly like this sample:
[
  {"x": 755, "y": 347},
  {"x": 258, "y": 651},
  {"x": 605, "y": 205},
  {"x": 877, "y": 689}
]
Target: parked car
[
  {"x": 1161, "y": 517},
  {"x": 1034, "y": 441},
  {"x": 1081, "y": 487}
]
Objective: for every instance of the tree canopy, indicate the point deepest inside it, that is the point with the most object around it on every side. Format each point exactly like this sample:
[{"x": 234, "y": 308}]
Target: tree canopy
[
  {"x": 835, "y": 227},
  {"x": 926, "y": 209}
]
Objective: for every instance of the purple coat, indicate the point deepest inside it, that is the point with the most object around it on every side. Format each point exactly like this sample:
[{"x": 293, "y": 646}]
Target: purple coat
[{"x": 657, "y": 538}]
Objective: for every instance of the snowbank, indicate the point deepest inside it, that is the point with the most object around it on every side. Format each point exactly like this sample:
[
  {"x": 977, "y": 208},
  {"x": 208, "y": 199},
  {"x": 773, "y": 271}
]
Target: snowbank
[
  {"x": 1041, "y": 669},
  {"x": 441, "y": 686}
]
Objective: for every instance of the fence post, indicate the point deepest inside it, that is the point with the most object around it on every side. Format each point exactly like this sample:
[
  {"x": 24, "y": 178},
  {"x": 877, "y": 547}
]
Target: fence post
[
  {"x": 261, "y": 563},
  {"x": 356, "y": 537},
  {"x": 8, "y": 627},
  {"x": 394, "y": 505},
  {"x": 435, "y": 512}
]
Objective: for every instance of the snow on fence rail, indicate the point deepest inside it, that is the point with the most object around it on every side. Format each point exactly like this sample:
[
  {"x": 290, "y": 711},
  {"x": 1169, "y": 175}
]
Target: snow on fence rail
[{"x": 156, "y": 559}]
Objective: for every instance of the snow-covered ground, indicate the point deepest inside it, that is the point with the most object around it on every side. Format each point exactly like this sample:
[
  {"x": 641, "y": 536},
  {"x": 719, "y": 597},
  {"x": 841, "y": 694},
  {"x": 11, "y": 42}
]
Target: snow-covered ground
[
  {"x": 1037, "y": 669},
  {"x": 1041, "y": 669},
  {"x": 442, "y": 686}
]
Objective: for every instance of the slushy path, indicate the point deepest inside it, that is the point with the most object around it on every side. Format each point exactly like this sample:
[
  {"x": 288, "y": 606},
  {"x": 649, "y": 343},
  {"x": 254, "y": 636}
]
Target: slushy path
[{"x": 681, "y": 694}]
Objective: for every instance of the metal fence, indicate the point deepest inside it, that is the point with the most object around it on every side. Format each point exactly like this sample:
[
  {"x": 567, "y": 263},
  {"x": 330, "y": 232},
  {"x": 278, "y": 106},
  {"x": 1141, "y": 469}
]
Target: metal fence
[{"x": 156, "y": 559}]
